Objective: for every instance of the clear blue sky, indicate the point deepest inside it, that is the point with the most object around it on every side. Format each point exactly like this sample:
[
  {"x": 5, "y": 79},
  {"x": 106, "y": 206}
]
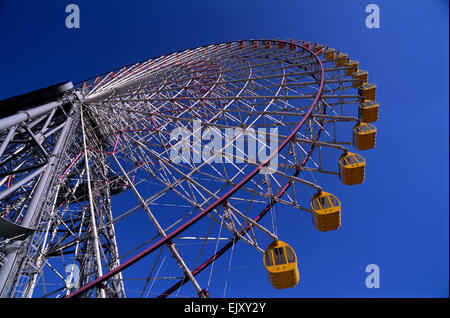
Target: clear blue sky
[{"x": 398, "y": 219}]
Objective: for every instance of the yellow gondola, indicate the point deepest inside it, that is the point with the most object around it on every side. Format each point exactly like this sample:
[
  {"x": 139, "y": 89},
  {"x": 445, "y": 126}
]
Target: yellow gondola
[
  {"x": 368, "y": 111},
  {"x": 281, "y": 265},
  {"x": 364, "y": 136},
  {"x": 306, "y": 45},
  {"x": 326, "y": 211},
  {"x": 329, "y": 54},
  {"x": 318, "y": 49},
  {"x": 351, "y": 168},
  {"x": 341, "y": 59},
  {"x": 360, "y": 77},
  {"x": 368, "y": 91},
  {"x": 352, "y": 67}
]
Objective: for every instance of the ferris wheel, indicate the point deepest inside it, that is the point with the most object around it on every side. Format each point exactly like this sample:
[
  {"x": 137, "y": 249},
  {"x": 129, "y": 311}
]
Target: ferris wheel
[{"x": 174, "y": 162}]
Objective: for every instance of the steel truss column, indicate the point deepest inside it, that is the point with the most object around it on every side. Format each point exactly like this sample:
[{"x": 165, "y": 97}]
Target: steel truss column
[
  {"x": 53, "y": 204},
  {"x": 10, "y": 268},
  {"x": 91, "y": 208}
]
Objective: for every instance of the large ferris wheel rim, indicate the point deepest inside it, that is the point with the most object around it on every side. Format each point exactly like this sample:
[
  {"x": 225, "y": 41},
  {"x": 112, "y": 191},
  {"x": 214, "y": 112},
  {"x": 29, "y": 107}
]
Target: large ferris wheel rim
[{"x": 167, "y": 239}]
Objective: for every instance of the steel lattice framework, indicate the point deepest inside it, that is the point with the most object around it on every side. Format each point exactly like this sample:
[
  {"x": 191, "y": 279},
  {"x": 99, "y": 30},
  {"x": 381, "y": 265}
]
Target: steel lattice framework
[{"x": 76, "y": 169}]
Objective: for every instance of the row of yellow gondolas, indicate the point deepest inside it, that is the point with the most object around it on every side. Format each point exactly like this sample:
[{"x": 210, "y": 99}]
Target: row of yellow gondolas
[{"x": 280, "y": 260}]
